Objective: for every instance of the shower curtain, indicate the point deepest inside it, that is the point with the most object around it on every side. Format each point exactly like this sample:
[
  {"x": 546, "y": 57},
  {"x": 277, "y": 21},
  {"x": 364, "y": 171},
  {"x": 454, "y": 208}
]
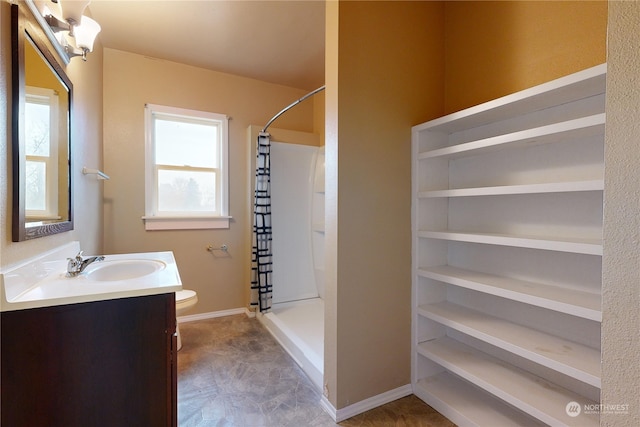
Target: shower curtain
[{"x": 261, "y": 259}]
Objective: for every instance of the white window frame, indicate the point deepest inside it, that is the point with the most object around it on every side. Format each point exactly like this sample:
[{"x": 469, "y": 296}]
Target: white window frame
[
  {"x": 44, "y": 96},
  {"x": 155, "y": 220}
]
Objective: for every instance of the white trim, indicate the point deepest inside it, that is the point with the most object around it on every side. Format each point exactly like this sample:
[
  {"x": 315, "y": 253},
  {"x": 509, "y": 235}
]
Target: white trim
[
  {"x": 184, "y": 223},
  {"x": 150, "y": 205},
  {"x": 51, "y": 99},
  {"x": 339, "y": 415},
  {"x": 223, "y": 167},
  {"x": 219, "y": 218},
  {"x": 328, "y": 408},
  {"x": 214, "y": 314}
]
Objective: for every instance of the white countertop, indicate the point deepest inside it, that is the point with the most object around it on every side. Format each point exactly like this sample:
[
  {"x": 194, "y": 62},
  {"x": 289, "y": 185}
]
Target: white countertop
[{"x": 41, "y": 281}]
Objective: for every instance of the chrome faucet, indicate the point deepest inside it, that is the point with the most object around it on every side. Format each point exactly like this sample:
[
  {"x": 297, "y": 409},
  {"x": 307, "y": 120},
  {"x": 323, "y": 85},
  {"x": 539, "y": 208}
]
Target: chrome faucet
[{"x": 78, "y": 264}]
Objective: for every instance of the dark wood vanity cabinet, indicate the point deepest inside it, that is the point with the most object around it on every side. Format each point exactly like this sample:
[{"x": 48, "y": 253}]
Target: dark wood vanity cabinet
[{"x": 106, "y": 363}]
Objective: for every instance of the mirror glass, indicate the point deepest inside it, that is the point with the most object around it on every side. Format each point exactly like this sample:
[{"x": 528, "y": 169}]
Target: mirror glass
[{"x": 41, "y": 137}]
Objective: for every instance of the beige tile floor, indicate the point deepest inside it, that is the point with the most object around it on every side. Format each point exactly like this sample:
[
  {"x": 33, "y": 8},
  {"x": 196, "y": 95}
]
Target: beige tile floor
[{"x": 232, "y": 373}]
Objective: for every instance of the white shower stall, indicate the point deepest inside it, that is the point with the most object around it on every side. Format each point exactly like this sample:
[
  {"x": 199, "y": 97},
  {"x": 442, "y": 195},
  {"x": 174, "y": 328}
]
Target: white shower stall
[{"x": 296, "y": 319}]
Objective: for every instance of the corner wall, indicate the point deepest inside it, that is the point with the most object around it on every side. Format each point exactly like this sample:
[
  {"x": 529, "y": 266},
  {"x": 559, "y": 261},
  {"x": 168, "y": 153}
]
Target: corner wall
[{"x": 384, "y": 74}]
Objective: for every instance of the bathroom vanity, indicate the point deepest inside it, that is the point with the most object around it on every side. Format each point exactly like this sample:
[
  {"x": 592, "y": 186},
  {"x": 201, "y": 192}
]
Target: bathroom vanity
[
  {"x": 103, "y": 363},
  {"x": 98, "y": 349}
]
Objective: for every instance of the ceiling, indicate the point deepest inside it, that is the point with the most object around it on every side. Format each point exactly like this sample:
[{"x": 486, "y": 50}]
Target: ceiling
[{"x": 279, "y": 42}]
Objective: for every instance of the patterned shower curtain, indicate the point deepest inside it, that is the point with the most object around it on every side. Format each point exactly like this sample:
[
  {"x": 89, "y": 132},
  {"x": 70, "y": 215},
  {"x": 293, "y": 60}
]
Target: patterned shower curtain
[{"x": 261, "y": 259}]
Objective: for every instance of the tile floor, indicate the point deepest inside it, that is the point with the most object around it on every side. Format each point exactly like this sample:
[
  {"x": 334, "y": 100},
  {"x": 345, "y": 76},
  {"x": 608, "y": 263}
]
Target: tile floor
[{"x": 232, "y": 373}]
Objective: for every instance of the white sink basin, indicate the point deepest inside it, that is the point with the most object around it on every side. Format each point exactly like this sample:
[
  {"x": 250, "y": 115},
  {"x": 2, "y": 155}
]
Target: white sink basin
[
  {"x": 42, "y": 281},
  {"x": 113, "y": 271}
]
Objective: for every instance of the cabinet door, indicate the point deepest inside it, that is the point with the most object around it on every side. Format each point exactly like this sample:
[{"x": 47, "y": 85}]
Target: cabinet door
[
  {"x": 172, "y": 367},
  {"x": 106, "y": 363}
]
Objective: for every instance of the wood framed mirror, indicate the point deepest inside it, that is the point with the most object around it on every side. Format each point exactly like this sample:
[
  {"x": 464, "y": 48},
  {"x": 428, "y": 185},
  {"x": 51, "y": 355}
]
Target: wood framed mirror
[{"x": 42, "y": 96}]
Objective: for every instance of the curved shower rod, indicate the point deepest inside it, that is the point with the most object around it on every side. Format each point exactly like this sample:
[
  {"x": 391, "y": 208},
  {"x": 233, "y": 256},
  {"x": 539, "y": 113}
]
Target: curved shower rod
[{"x": 285, "y": 109}]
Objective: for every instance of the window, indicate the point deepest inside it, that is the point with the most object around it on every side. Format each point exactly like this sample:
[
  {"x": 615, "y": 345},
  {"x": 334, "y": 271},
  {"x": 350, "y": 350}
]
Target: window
[
  {"x": 41, "y": 149},
  {"x": 186, "y": 169}
]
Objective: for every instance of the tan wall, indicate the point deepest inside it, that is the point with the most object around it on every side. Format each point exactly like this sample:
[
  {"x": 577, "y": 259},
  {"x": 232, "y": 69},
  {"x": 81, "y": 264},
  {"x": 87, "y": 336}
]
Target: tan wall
[
  {"x": 497, "y": 48},
  {"x": 86, "y": 135},
  {"x": 621, "y": 261},
  {"x": 221, "y": 280},
  {"x": 387, "y": 53}
]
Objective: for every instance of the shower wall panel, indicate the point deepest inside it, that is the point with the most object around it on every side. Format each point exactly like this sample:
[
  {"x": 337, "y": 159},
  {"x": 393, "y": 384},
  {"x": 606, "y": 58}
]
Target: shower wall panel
[{"x": 292, "y": 173}]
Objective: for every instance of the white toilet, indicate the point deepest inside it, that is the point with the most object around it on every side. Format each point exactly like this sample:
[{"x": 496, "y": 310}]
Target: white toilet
[{"x": 185, "y": 300}]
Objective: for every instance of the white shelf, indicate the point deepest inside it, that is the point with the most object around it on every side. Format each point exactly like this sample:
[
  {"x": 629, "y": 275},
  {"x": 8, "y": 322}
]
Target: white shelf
[
  {"x": 533, "y": 395},
  {"x": 552, "y": 187},
  {"x": 582, "y": 304},
  {"x": 583, "y": 127},
  {"x": 574, "y": 87},
  {"x": 573, "y": 245},
  {"x": 467, "y": 406},
  {"x": 318, "y": 227},
  {"x": 575, "y": 360}
]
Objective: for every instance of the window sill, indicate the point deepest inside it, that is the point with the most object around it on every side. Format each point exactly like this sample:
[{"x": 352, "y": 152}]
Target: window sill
[
  {"x": 33, "y": 218},
  {"x": 152, "y": 223}
]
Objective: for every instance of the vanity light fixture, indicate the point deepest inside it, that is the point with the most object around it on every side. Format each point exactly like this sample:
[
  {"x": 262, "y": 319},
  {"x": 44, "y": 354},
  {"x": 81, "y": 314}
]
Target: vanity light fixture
[
  {"x": 66, "y": 20},
  {"x": 72, "y": 11},
  {"x": 85, "y": 35}
]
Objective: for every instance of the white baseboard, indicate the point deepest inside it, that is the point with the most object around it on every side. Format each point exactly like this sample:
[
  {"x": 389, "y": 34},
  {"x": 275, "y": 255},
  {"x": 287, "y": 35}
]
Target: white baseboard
[
  {"x": 328, "y": 408},
  {"x": 339, "y": 415},
  {"x": 213, "y": 314}
]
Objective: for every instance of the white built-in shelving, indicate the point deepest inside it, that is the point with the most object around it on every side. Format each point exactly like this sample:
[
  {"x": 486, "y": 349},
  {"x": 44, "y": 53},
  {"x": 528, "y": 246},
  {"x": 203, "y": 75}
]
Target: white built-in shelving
[
  {"x": 578, "y": 128},
  {"x": 570, "y": 301},
  {"x": 542, "y": 399},
  {"x": 579, "y": 361},
  {"x": 466, "y": 405},
  {"x": 551, "y": 187},
  {"x": 551, "y": 243},
  {"x": 507, "y": 247}
]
